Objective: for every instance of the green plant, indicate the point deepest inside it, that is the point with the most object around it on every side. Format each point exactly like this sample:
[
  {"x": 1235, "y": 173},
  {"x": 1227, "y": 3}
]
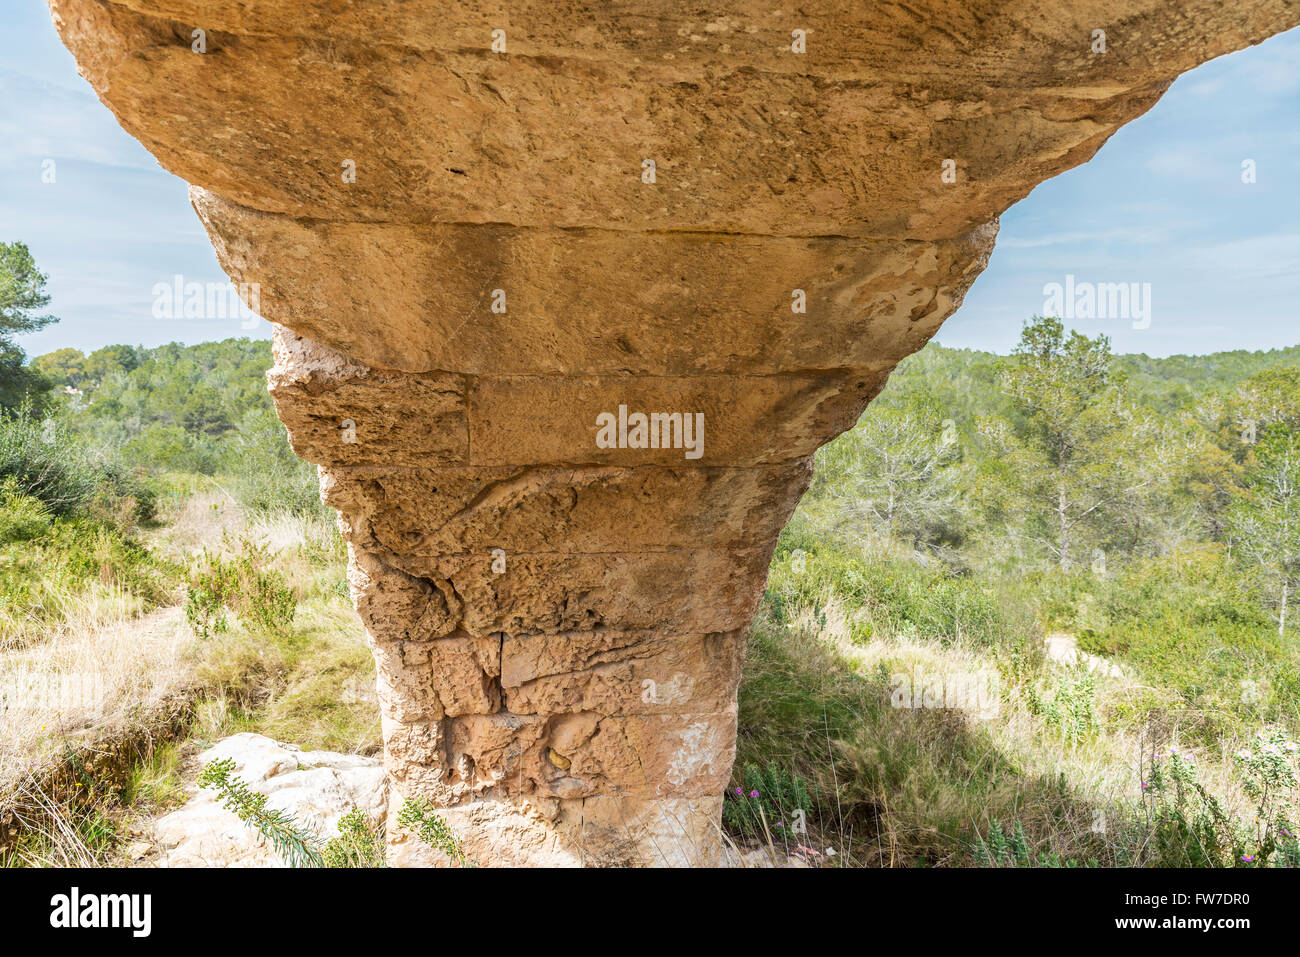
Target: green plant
[
  {"x": 893, "y": 597},
  {"x": 1000, "y": 850},
  {"x": 47, "y": 461},
  {"x": 297, "y": 846},
  {"x": 1270, "y": 780},
  {"x": 360, "y": 842},
  {"x": 1185, "y": 825},
  {"x": 265, "y": 474},
  {"x": 419, "y": 816},
  {"x": 1013, "y": 850},
  {"x": 1071, "y": 710},
  {"x": 260, "y": 597},
  {"x": 769, "y": 804},
  {"x": 204, "y": 605},
  {"x": 22, "y": 517}
]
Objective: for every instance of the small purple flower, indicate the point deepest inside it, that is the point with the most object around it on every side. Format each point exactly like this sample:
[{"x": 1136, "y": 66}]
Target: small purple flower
[
  {"x": 753, "y": 794},
  {"x": 1248, "y": 858},
  {"x": 739, "y": 793}
]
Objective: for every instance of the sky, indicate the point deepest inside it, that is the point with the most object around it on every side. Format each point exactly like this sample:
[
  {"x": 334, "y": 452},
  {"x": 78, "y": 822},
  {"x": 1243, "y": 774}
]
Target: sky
[{"x": 1211, "y": 262}]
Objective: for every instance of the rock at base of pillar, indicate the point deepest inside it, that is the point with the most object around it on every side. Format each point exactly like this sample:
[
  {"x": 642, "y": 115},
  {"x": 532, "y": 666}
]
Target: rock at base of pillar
[{"x": 604, "y": 830}]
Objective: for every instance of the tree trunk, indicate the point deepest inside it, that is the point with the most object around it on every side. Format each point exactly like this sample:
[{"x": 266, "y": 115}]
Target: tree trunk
[
  {"x": 1062, "y": 514},
  {"x": 1281, "y": 621}
]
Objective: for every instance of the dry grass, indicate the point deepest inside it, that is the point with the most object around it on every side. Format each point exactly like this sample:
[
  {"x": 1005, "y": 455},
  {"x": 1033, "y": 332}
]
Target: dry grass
[
  {"x": 81, "y": 695},
  {"x": 74, "y": 611},
  {"x": 206, "y": 515},
  {"x": 72, "y": 683},
  {"x": 196, "y": 521},
  {"x": 105, "y": 662}
]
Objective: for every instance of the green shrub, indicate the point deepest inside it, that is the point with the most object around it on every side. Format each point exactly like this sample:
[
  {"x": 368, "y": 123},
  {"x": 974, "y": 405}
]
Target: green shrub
[
  {"x": 264, "y": 473},
  {"x": 419, "y": 816},
  {"x": 163, "y": 446},
  {"x": 1181, "y": 824},
  {"x": 1071, "y": 709},
  {"x": 53, "y": 569},
  {"x": 899, "y": 597},
  {"x": 1188, "y": 624},
  {"x": 259, "y": 596},
  {"x": 1184, "y": 826},
  {"x": 1012, "y": 850},
  {"x": 1269, "y": 777},
  {"x": 22, "y": 517},
  {"x": 95, "y": 550},
  {"x": 47, "y": 462},
  {"x": 360, "y": 842}
]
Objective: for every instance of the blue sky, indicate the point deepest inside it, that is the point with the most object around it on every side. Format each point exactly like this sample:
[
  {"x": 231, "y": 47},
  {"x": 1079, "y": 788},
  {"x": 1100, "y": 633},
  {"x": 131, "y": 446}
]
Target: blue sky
[{"x": 1163, "y": 204}]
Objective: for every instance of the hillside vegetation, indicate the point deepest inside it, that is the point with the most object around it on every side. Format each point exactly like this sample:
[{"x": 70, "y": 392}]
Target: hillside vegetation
[{"x": 1035, "y": 609}]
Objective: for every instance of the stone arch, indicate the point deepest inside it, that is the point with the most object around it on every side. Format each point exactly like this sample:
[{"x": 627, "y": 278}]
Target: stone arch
[{"x": 467, "y": 269}]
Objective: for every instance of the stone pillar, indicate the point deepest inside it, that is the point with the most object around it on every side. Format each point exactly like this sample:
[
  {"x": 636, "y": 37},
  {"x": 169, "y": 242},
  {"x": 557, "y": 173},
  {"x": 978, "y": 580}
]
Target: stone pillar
[
  {"x": 558, "y": 615},
  {"x": 485, "y": 230}
]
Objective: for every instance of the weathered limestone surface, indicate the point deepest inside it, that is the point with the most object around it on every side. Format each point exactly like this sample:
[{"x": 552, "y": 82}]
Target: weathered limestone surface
[
  {"x": 316, "y": 788},
  {"x": 558, "y": 625}
]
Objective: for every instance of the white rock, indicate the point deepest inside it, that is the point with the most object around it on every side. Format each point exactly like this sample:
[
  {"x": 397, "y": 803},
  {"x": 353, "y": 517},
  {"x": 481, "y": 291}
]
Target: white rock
[
  {"x": 1064, "y": 650},
  {"x": 315, "y": 787}
]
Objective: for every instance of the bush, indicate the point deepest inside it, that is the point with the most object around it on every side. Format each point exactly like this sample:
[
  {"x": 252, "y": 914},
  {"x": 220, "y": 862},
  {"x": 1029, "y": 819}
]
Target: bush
[
  {"x": 46, "y": 462},
  {"x": 22, "y": 517},
  {"x": 261, "y": 598},
  {"x": 900, "y": 597},
  {"x": 1012, "y": 850},
  {"x": 1185, "y": 622},
  {"x": 94, "y": 550},
  {"x": 162, "y": 446},
  {"x": 1186, "y": 826},
  {"x": 56, "y": 569},
  {"x": 1071, "y": 709},
  {"x": 265, "y": 474}
]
